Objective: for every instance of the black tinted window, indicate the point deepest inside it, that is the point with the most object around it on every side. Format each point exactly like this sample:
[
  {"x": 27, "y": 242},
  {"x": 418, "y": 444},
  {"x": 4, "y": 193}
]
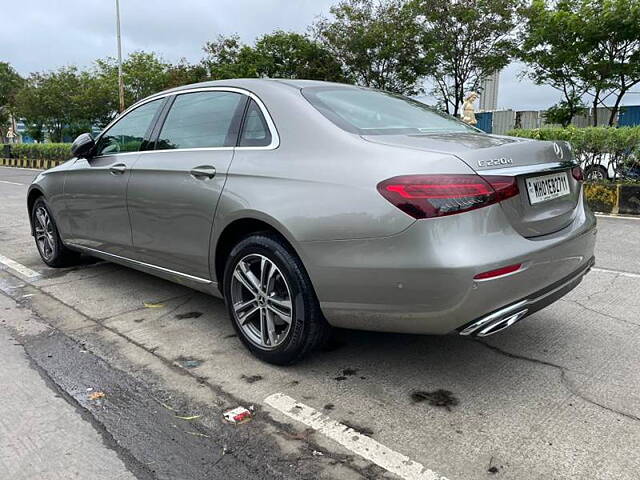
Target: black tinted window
[
  {"x": 255, "y": 132},
  {"x": 202, "y": 119},
  {"x": 128, "y": 133}
]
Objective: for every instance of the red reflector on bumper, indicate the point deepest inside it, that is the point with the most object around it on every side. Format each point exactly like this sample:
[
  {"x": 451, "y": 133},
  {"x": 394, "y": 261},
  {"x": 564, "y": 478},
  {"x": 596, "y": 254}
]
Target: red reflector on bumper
[{"x": 498, "y": 272}]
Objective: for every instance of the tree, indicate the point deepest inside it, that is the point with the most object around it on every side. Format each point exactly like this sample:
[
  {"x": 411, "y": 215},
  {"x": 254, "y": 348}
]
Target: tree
[
  {"x": 292, "y": 55},
  {"x": 276, "y": 55},
  {"x": 10, "y": 84},
  {"x": 49, "y": 100},
  {"x": 375, "y": 43},
  {"x": 583, "y": 47},
  {"x": 463, "y": 42},
  {"x": 563, "y": 112},
  {"x": 228, "y": 57},
  {"x": 184, "y": 73},
  {"x": 616, "y": 31},
  {"x": 143, "y": 73}
]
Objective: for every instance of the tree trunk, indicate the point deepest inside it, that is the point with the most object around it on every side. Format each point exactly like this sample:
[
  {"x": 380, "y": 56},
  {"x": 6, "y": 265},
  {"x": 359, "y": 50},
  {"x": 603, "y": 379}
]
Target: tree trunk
[
  {"x": 596, "y": 100},
  {"x": 616, "y": 106}
]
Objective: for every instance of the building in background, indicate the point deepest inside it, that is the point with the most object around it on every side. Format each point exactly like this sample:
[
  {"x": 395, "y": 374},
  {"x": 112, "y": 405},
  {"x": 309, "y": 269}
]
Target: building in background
[{"x": 489, "y": 93}]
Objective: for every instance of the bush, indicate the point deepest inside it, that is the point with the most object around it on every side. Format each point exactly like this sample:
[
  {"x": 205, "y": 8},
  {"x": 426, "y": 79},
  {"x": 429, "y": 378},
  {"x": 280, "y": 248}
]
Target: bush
[
  {"x": 601, "y": 198},
  {"x": 41, "y": 151},
  {"x": 618, "y": 148}
]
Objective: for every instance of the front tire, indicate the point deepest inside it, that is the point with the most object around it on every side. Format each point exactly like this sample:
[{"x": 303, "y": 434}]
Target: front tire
[
  {"x": 271, "y": 301},
  {"x": 50, "y": 246}
]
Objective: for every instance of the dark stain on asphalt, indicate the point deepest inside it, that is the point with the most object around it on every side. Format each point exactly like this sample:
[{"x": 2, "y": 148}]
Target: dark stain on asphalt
[
  {"x": 251, "y": 378},
  {"x": 232, "y": 335},
  {"x": 358, "y": 428},
  {"x": 341, "y": 378},
  {"x": 182, "y": 316},
  {"x": 437, "y": 398},
  {"x": 329, "y": 406},
  {"x": 139, "y": 320},
  {"x": 188, "y": 362}
]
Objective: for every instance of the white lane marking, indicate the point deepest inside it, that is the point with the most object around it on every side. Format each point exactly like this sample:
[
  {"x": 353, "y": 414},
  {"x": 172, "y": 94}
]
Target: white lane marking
[
  {"x": 619, "y": 217},
  {"x": 18, "y": 267},
  {"x": 13, "y": 183},
  {"x": 622, "y": 273},
  {"x": 364, "y": 446}
]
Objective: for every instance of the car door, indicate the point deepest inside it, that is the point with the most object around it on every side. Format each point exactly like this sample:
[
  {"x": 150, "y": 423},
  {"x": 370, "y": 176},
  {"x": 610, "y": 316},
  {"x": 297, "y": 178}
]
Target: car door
[
  {"x": 95, "y": 188},
  {"x": 174, "y": 189}
]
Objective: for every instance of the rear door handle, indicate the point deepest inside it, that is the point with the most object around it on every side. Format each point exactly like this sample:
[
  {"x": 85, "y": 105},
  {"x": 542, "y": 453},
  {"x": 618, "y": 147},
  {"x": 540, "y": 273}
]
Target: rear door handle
[
  {"x": 204, "y": 171},
  {"x": 118, "y": 169}
]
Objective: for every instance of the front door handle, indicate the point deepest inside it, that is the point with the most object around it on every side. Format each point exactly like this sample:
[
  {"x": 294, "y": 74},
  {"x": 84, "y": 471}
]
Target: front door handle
[
  {"x": 204, "y": 171},
  {"x": 118, "y": 169}
]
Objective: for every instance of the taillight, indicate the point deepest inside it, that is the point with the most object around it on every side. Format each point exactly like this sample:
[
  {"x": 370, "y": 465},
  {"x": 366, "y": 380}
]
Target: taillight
[
  {"x": 577, "y": 173},
  {"x": 498, "y": 272},
  {"x": 426, "y": 196}
]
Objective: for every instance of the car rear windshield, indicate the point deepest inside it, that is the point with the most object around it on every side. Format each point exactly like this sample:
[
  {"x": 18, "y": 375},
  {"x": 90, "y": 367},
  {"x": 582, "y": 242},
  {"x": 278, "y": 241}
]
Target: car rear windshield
[{"x": 374, "y": 112}]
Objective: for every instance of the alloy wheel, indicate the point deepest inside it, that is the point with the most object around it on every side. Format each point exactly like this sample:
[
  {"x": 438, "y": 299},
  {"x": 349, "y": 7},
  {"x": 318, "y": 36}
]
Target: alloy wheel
[
  {"x": 45, "y": 235},
  {"x": 261, "y": 301}
]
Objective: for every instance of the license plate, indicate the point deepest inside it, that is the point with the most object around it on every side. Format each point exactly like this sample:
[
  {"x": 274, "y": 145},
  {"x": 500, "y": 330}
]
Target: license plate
[{"x": 547, "y": 187}]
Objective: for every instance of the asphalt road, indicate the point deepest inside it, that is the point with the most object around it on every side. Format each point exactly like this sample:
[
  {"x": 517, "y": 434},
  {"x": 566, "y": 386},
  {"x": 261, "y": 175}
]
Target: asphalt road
[{"x": 556, "y": 396}]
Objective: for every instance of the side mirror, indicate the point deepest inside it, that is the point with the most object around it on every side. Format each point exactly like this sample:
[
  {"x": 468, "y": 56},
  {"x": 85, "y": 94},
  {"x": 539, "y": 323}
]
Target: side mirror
[{"x": 83, "y": 145}]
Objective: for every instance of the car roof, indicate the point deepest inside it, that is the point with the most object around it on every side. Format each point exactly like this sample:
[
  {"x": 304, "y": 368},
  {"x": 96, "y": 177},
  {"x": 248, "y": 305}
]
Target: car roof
[{"x": 254, "y": 83}]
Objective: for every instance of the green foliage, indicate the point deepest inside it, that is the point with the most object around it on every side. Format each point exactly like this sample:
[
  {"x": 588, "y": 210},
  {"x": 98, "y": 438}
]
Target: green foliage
[
  {"x": 563, "y": 112},
  {"x": 376, "y": 43},
  {"x": 463, "y": 41},
  {"x": 55, "y": 101},
  {"x": 42, "y": 151},
  {"x": 276, "y": 55},
  {"x": 291, "y": 55},
  {"x": 10, "y": 84},
  {"x": 583, "y": 47},
  {"x": 609, "y": 146}
]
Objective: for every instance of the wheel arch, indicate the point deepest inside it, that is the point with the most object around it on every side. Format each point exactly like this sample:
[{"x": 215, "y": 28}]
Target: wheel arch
[
  {"x": 32, "y": 196},
  {"x": 238, "y": 229}
]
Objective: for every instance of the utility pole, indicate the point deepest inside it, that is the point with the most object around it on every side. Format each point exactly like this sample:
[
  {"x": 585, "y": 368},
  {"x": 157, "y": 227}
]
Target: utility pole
[{"x": 120, "y": 81}]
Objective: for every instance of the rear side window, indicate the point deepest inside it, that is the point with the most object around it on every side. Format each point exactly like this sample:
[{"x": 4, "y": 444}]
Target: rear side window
[
  {"x": 201, "y": 119},
  {"x": 127, "y": 134},
  {"x": 255, "y": 131}
]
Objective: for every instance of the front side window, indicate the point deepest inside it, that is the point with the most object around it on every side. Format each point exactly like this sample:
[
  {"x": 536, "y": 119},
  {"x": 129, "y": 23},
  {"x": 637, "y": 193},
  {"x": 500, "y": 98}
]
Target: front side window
[
  {"x": 128, "y": 133},
  {"x": 255, "y": 131},
  {"x": 373, "y": 112},
  {"x": 201, "y": 119}
]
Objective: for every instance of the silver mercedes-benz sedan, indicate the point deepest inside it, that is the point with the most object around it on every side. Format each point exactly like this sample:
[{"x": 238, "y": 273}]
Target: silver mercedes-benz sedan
[{"x": 307, "y": 205}]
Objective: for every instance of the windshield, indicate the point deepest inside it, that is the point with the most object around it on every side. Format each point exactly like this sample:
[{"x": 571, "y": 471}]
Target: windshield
[{"x": 373, "y": 112}]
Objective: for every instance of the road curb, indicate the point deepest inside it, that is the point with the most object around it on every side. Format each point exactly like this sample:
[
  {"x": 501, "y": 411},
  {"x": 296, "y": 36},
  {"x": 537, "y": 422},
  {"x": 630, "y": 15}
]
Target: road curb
[{"x": 37, "y": 163}]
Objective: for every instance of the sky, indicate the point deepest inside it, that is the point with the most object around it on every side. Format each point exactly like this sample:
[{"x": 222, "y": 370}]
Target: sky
[{"x": 43, "y": 35}]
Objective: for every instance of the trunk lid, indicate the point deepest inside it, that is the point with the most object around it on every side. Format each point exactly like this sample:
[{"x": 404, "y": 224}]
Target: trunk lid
[{"x": 547, "y": 166}]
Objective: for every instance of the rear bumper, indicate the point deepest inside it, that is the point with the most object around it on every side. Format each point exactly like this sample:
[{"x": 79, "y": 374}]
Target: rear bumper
[
  {"x": 421, "y": 280},
  {"x": 505, "y": 317}
]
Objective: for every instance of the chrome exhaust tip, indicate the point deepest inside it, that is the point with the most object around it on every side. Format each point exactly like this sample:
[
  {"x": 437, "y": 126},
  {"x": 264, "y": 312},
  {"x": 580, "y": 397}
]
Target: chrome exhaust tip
[
  {"x": 502, "y": 323},
  {"x": 497, "y": 321}
]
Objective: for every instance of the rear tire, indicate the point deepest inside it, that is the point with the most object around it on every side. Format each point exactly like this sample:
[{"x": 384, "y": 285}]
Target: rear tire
[
  {"x": 271, "y": 301},
  {"x": 50, "y": 246}
]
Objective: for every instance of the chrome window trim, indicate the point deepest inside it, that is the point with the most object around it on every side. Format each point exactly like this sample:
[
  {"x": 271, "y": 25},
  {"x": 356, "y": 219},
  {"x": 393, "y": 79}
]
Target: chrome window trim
[
  {"x": 275, "y": 138},
  {"x": 142, "y": 264}
]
